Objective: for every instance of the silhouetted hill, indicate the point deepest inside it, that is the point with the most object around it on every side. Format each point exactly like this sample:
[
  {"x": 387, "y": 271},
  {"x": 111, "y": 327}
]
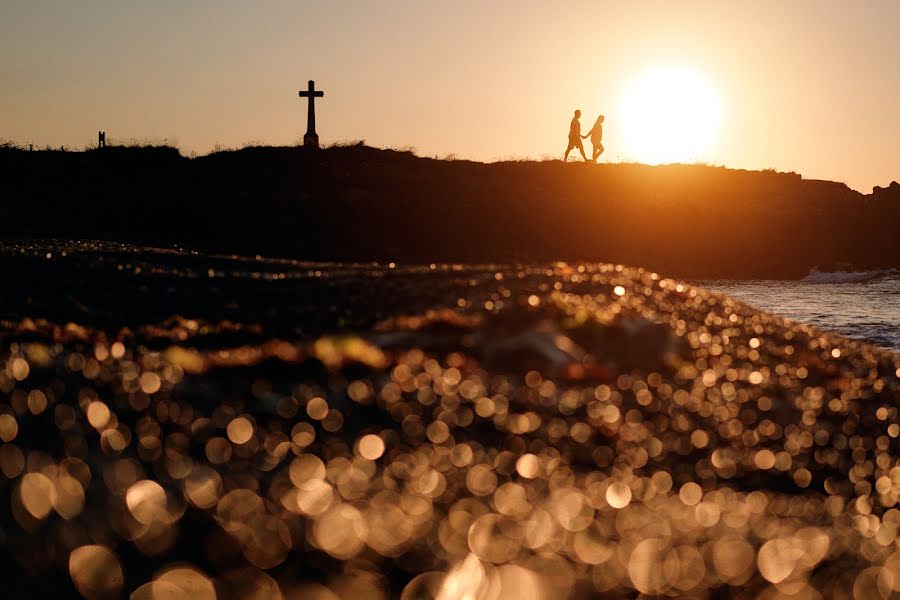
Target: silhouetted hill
[{"x": 359, "y": 203}]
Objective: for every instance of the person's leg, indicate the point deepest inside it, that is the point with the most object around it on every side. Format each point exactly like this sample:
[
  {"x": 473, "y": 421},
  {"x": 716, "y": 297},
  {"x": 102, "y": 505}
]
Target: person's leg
[
  {"x": 583, "y": 155},
  {"x": 568, "y": 149}
]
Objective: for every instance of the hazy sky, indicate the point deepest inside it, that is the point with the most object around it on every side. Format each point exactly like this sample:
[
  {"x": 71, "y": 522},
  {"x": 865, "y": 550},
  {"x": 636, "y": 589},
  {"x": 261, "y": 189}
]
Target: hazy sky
[{"x": 807, "y": 86}]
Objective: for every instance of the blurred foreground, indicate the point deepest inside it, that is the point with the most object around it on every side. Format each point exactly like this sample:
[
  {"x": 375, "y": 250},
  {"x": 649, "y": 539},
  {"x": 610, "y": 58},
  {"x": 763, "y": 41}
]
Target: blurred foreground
[{"x": 366, "y": 431}]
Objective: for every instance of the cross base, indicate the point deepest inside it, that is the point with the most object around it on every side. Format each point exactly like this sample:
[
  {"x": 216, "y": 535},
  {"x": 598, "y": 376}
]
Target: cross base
[{"x": 310, "y": 140}]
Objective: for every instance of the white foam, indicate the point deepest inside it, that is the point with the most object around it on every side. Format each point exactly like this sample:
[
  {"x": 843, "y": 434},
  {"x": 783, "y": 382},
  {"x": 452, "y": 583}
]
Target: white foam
[{"x": 817, "y": 276}]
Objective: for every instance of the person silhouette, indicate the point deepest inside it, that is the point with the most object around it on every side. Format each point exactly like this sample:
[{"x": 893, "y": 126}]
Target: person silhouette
[
  {"x": 575, "y": 137},
  {"x": 596, "y": 134}
]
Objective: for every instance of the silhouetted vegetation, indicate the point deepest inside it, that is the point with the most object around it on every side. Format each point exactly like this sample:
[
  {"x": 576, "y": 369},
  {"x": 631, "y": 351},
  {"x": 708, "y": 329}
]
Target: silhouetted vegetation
[{"x": 352, "y": 202}]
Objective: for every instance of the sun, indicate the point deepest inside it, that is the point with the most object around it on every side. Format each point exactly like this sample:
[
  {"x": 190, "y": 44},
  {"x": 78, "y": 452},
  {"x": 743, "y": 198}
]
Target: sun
[{"x": 669, "y": 115}]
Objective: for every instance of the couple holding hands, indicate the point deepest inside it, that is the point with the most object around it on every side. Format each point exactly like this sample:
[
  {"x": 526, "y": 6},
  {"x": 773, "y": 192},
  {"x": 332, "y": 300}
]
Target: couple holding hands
[{"x": 575, "y": 137}]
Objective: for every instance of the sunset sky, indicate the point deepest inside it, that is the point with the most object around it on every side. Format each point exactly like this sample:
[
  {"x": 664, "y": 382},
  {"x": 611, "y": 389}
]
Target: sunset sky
[{"x": 806, "y": 86}]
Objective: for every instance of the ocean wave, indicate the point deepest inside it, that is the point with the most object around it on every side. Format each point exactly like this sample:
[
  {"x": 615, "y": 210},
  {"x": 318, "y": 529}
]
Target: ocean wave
[{"x": 817, "y": 276}]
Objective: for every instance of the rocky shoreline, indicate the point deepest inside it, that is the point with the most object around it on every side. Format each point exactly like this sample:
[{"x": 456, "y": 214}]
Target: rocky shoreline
[{"x": 531, "y": 431}]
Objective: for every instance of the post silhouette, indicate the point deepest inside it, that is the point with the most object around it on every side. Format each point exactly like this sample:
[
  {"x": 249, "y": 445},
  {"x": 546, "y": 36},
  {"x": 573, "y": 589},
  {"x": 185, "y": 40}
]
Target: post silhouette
[
  {"x": 311, "y": 138},
  {"x": 101, "y": 139}
]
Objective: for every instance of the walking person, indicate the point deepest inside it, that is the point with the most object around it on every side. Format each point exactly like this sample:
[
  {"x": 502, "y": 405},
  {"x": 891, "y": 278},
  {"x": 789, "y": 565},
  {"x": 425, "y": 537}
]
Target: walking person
[
  {"x": 596, "y": 135},
  {"x": 575, "y": 137}
]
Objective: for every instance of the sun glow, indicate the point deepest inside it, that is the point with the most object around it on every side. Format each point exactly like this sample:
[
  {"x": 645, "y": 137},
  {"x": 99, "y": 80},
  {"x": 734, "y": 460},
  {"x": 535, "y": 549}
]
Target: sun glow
[{"x": 669, "y": 115}]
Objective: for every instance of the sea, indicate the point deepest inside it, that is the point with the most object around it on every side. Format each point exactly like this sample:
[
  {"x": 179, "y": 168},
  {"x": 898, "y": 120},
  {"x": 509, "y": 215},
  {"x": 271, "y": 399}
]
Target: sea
[{"x": 858, "y": 304}]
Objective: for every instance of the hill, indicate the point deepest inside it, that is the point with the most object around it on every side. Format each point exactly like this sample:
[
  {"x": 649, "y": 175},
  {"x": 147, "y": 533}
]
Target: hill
[{"x": 356, "y": 203}]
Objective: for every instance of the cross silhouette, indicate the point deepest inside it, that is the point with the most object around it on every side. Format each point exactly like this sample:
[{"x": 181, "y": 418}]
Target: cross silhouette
[{"x": 311, "y": 138}]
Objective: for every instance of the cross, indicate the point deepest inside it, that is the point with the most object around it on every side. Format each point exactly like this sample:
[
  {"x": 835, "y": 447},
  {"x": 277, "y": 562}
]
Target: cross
[{"x": 311, "y": 138}]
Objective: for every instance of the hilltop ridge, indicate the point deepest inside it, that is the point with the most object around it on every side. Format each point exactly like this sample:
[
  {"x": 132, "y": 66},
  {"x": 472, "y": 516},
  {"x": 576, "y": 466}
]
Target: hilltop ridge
[{"x": 359, "y": 203}]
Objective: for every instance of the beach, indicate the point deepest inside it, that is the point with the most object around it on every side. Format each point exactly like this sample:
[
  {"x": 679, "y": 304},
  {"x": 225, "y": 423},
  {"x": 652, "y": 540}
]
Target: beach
[{"x": 222, "y": 426}]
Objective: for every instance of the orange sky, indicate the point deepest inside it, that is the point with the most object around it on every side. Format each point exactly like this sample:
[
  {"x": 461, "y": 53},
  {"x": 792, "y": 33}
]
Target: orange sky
[{"x": 807, "y": 86}]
